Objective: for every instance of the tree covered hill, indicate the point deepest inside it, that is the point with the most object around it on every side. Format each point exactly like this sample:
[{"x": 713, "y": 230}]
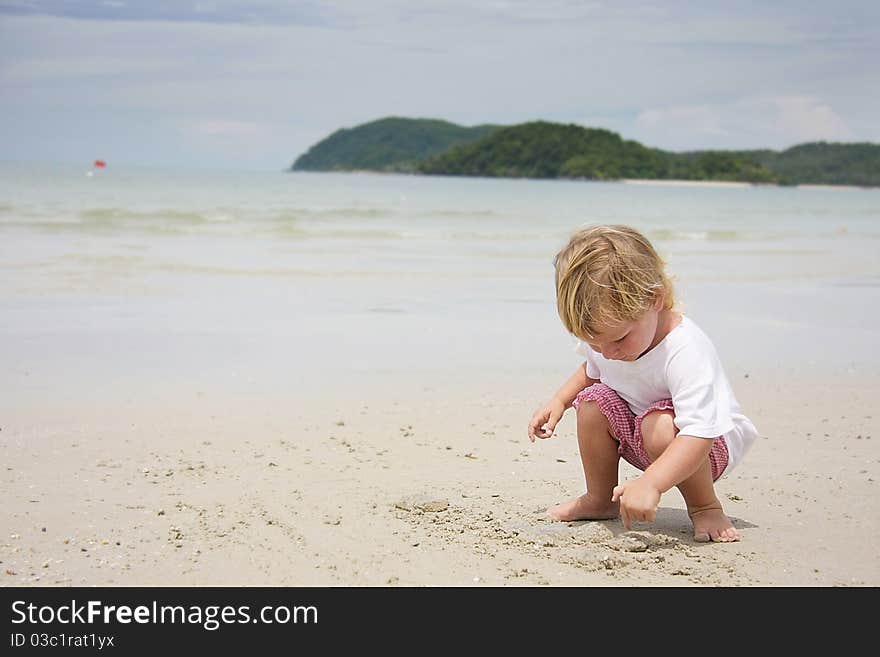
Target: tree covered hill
[
  {"x": 823, "y": 163},
  {"x": 541, "y": 149},
  {"x": 546, "y": 150},
  {"x": 389, "y": 144},
  {"x": 551, "y": 150}
]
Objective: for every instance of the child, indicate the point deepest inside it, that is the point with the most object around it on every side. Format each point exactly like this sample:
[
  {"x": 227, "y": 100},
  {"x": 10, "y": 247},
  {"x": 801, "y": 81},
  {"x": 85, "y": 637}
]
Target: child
[{"x": 651, "y": 390}]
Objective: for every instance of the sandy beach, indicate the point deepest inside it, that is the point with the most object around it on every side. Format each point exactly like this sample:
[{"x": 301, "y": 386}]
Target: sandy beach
[
  {"x": 687, "y": 183},
  {"x": 418, "y": 486}
]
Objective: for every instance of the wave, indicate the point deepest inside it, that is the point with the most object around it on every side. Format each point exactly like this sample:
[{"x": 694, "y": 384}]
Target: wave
[
  {"x": 303, "y": 221},
  {"x": 121, "y": 216},
  {"x": 112, "y": 218},
  {"x": 714, "y": 235}
]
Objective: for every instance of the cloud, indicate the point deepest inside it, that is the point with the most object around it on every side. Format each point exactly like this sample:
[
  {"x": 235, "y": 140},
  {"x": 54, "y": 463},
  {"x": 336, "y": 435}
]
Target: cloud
[
  {"x": 303, "y": 12},
  {"x": 701, "y": 119},
  {"x": 227, "y": 128},
  {"x": 799, "y": 118},
  {"x": 32, "y": 70},
  {"x": 778, "y": 122}
]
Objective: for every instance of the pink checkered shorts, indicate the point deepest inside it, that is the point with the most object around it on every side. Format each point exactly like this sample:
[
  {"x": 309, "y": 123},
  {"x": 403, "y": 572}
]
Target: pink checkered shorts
[{"x": 627, "y": 428}]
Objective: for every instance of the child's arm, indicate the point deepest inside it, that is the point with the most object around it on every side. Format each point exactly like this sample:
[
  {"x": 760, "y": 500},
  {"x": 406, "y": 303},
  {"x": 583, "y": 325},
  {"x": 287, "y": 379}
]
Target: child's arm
[
  {"x": 639, "y": 497},
  {"x": 546, "y": 418}
]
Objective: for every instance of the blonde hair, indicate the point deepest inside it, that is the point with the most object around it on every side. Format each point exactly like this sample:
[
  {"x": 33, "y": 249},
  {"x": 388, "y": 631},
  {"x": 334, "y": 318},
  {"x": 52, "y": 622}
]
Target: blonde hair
[{"x": 608, "y": 275}]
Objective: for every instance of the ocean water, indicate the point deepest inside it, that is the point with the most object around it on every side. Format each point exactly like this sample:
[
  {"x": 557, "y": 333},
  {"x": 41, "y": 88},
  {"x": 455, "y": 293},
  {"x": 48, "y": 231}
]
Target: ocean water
[{"x": 128, "y": 281}]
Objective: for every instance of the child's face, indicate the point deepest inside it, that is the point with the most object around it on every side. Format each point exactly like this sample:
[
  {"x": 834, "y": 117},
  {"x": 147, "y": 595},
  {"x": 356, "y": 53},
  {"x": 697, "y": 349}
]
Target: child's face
[{"x": 629, "y": 340}]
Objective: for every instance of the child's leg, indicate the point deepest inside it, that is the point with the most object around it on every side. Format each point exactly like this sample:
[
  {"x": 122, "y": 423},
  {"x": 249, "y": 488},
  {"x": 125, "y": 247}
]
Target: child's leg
[
  {"x": 698, "y": 490},
  {"x": 599, "y": 458}
]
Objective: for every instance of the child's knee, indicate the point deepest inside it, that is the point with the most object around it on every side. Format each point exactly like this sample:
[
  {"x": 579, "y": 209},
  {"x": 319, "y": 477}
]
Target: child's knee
[
  {"x": 658, "y": 430},
  {"x": 590, "y": 416}
]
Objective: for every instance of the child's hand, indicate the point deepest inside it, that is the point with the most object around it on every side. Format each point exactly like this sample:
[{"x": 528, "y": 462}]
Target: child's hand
[
  {"x": 545, "y": 419},
  {"x": 638, "y": 501}
]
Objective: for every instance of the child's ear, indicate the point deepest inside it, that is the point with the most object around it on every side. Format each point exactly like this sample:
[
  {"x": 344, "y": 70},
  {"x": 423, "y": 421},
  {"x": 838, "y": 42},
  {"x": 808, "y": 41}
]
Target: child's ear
[{"x": 659, "y": 300}]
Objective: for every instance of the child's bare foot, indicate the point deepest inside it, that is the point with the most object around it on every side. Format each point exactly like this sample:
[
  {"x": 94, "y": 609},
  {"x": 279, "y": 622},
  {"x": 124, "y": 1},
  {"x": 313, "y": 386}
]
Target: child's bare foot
[
  {"x": 584, "y": 507},
  {"x": 711, "y": 524}
]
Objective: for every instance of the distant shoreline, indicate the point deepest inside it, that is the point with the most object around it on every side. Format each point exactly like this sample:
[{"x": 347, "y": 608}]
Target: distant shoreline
[
  {"x": 626, "y": 181},
  {"x": 687, "y": 183},
  {"x": 839, "y": 187},
  {"x": 724, "y": 183}
]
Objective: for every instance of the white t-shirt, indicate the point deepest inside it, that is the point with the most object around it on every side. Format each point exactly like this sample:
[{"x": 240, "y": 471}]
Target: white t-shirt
[{"x": 684, "y": 367}]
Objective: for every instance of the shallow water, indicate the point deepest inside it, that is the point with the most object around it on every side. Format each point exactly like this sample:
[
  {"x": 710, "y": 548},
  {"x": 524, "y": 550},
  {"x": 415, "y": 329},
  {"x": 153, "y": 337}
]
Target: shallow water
[{"x": 131, "y": 280}]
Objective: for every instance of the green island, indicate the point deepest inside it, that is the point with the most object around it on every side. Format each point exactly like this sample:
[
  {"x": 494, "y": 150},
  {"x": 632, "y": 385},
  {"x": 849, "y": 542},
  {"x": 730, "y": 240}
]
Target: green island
[{"x": 545, "y": 150}]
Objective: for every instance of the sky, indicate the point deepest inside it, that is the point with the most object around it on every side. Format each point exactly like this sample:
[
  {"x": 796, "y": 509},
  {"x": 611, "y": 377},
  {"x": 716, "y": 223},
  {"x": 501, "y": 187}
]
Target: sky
[{"x": 252, "y": 85}]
